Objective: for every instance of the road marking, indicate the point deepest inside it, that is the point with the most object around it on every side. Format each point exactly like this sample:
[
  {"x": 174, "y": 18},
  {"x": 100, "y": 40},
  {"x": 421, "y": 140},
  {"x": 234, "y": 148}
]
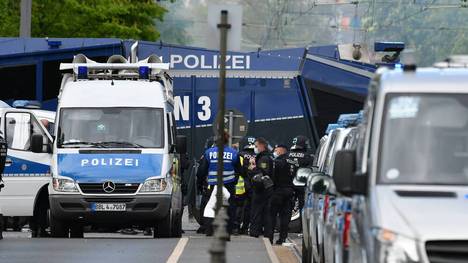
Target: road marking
[
  {"x": 270, "y": 252},
  {"x": 177, "y": 252}
]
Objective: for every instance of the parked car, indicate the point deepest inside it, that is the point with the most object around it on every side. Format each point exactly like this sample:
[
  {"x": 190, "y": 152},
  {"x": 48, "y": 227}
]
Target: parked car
[
  {"x": 320, "y": 193},
  {"x": 408, "y": 176}
]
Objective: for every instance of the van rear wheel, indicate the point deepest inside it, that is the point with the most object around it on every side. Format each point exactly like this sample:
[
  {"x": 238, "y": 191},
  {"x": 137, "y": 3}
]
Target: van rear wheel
[{"x": 58, "y": 228}]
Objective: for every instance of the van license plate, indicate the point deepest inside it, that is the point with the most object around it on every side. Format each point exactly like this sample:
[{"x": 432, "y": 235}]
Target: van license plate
[{"x": 108, "y": 207}]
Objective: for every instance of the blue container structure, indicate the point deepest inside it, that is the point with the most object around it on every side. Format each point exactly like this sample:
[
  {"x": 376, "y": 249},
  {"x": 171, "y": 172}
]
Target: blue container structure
[{"x": 282, "y": 93}]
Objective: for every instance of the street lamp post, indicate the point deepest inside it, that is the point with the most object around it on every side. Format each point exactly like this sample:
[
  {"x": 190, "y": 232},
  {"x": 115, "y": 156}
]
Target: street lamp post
[{"x": 218, "y": 248}]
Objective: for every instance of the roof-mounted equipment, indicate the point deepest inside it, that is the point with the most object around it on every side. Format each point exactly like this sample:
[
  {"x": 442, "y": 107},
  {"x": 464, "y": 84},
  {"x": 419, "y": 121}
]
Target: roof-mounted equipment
[{"x": 116, "y": 67}]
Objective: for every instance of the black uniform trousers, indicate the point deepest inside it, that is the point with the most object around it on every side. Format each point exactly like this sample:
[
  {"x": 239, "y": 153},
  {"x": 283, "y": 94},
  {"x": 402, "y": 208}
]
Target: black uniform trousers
[
  {"x": 259, "y": 212},
  {"x": 242, "y": 219},
  {"x": 280, "y": 206}
]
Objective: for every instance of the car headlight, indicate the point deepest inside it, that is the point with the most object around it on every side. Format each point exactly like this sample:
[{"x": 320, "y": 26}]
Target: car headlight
[
  {"x": 63, "y": 184},
  {"x": 154, "y": 185},
  {"x": 395, "y": 248}
]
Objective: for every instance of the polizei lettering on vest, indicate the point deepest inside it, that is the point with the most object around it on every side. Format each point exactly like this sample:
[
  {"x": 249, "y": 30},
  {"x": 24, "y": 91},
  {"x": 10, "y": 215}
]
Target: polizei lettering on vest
[
  {"x": 110, "y": 162},
  {"x": 227, "y": 155}
]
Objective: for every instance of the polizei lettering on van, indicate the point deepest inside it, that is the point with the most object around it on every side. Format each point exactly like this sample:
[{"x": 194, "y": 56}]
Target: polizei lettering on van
[
  {"x": 110, "y": 162},
  {"x": 192, "y": 61}
]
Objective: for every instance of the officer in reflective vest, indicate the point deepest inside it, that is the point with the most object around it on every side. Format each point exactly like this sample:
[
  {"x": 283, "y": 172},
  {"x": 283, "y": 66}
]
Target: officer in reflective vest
[
  {"x": 243, "y": 188},
  {"x": 232, "y": 167}
]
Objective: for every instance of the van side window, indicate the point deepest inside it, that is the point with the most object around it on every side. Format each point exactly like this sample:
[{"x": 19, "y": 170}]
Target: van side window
[{"x": 20, "y": 126}]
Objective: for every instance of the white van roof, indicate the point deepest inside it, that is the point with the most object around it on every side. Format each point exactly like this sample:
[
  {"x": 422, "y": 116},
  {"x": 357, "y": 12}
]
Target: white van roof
[
  {"x": 4, "y": 104},
  {"x": 448, "y": 80},
  {"x": 112, "y": 93}
]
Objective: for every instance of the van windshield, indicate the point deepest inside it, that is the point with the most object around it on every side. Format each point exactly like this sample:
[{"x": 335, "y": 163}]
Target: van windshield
[
  {"x": 111, "y": 128},
  {"x": 424, "y": 139}
]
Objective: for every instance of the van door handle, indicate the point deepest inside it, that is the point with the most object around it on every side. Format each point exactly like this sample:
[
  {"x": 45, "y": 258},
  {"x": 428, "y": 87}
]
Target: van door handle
[{"x": 8, "y": 162}]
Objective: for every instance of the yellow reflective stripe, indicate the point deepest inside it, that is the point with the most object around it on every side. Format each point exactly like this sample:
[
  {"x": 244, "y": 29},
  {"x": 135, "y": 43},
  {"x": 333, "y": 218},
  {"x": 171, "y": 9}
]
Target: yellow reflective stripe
[{"x": 240, "y": 186}]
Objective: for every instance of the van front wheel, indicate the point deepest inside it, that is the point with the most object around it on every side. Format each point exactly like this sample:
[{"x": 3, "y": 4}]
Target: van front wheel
[{"x": 163, "y": 228}]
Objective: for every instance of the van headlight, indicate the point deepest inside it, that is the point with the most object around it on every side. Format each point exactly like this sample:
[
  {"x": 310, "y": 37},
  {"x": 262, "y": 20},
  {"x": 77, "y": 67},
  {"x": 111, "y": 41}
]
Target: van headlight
[
  {"x": 394, "y": 248},
  {"x": 64, "y": 184},
  {"x": 153, "y": 185}
]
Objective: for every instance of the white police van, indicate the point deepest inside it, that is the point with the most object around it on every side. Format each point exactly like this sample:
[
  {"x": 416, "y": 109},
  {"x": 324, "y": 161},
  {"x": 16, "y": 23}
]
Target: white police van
[
  {"x": 115, "y": 161},
  {"x": 27, "y": 166}
]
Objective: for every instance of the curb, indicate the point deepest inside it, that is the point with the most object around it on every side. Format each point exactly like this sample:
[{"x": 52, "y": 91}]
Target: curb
[
  {"x": 297, "y": 252},
  {"x": 270, "y": 252}
]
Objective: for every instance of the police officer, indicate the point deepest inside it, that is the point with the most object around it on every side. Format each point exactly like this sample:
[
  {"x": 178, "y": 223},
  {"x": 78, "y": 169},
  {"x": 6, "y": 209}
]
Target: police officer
[
  {"x": 243, "y": 188},
  {"x": 281, "y": 198},
  {"x": 209, "y": 168},
  {"x": 260, "y": 172},
  {"x": 298, "y": 157},
  {"x": 3, "y": 154}
]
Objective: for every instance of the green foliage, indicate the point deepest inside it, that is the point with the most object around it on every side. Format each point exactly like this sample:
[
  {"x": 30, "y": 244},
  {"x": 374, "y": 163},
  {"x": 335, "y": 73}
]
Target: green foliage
[
  {"x": 130, "y": 19},
  {"x": 9, "y": 17}
]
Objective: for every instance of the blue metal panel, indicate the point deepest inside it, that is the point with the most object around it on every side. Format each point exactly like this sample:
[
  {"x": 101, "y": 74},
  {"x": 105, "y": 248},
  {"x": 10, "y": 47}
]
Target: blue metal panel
[
  {"x": 23, "y": 46},
  {"x": 335, "y": 77}
]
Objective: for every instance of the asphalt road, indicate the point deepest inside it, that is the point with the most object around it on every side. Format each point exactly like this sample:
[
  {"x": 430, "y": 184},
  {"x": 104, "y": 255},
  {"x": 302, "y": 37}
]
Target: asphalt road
[{"x": 18, "y": 247}]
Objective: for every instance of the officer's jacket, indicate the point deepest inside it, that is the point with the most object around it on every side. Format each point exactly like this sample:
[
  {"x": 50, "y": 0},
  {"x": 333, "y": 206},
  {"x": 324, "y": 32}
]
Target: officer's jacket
[
  {"x": 209, "y": 165},
  {"x": 282, "y": 176},
  {"x": 245, "y": 157},
  {"x": 298, "y": 159},
  {"x": 264, "y": 167}
]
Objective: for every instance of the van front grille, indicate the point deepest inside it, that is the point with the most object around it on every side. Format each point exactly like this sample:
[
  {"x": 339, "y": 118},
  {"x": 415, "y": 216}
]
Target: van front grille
[{"x": 120, "y": 188}]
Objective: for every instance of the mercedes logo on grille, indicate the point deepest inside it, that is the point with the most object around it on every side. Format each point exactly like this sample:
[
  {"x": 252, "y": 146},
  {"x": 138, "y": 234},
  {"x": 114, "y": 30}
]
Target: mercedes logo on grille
[{"x": 108, "y": 187}]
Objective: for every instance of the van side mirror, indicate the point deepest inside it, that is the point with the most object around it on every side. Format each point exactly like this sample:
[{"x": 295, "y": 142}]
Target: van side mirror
[
  {"x": 37, "y": 141},
  {"x": 347, "y": 182},
  {"x": 181, "y": 144}
]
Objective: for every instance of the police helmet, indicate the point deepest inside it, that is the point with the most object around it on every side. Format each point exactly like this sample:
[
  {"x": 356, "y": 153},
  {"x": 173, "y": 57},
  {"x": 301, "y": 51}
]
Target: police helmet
[
  {"x": 249, "y": 143},
  {"x": 300, "y": 143}
]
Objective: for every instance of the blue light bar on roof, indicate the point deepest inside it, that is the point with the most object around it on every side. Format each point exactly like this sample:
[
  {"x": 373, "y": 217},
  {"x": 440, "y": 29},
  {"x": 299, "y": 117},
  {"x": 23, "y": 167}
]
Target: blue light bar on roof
[
  {"x": 389, "y": 46},
  {"x": 332, "y": 126},
  {"x": 54, "y": 43},
  {"x": 82, "y": 72},
  {"x": 27, "y": 104},
  {"x": 351, "y": 119},
  {"x": 143, "y": 72}
]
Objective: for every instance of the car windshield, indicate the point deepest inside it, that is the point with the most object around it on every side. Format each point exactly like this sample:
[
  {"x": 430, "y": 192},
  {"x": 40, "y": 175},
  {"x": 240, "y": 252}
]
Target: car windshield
[
  {"x": 111, "y": 128},
  {"x": 425, "y": 139}
]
